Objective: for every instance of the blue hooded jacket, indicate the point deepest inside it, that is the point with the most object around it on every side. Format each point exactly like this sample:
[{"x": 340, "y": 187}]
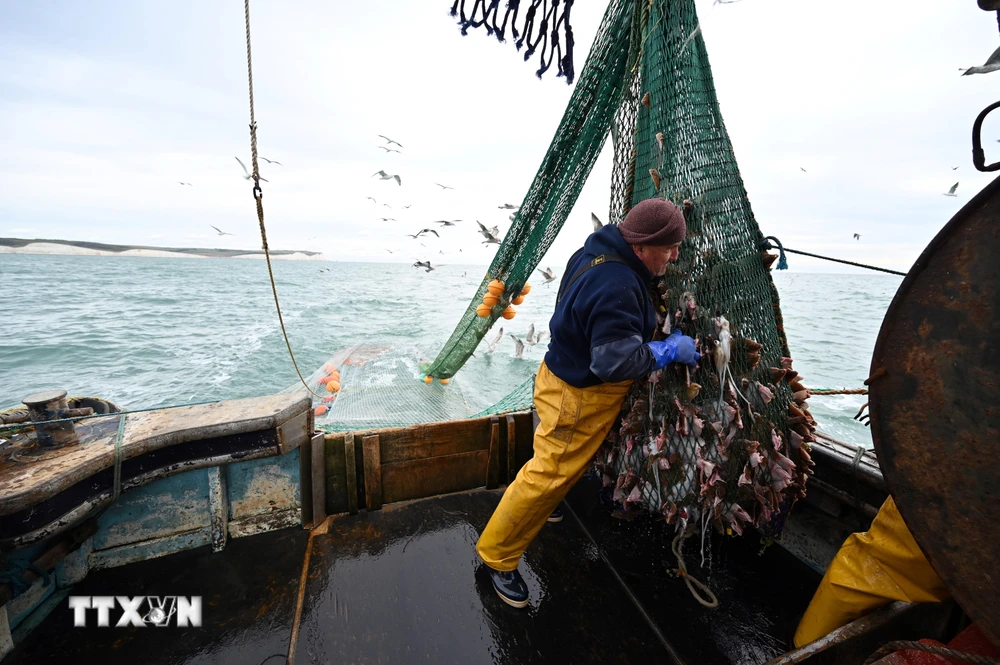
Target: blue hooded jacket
[{"x": 603, "y": 321}]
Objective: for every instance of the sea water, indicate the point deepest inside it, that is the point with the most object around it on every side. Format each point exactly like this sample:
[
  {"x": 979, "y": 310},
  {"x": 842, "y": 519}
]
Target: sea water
[{"x": 147, "y": 332}]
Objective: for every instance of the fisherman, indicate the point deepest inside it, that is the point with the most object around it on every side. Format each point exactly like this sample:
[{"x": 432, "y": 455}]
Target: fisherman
[
  {"x": 602, "y": 331},
  {"x": 871, "y": 569}
]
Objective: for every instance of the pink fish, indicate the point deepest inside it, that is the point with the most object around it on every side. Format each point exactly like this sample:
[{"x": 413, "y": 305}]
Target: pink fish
[
  {"x": 697, "y": 425},
  {"x": 756, "y": 458},
  {"x": 786, "y": 363},
  {"x": 796, "y": 440},
  {"x": 765, "y": 394},
  {"x": 735, "y": 516},
  {"x": 776, "y": 439},
  {"x": 745, "y": 477}
]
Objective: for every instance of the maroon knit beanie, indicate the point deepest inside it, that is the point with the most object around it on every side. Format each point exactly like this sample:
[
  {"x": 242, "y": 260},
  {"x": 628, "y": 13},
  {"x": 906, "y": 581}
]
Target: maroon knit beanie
[{"x": 653, "y": 222}]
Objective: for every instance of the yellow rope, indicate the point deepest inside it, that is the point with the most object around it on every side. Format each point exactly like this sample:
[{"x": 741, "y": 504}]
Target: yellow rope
[{"x": 258, "y": 196}]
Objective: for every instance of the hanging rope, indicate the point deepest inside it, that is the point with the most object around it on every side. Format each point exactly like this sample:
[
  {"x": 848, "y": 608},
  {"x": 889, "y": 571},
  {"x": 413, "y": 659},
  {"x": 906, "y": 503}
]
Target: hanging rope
[
  {"x": 258, "y": 196},
  {"x": 709, "y": 600},
  {"x": 783, "y": 262},
  {"x": 842, "y": 391}
]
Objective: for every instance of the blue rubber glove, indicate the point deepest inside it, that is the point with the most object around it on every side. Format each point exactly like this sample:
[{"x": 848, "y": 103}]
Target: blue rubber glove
[{"x": 676, "y": 348}]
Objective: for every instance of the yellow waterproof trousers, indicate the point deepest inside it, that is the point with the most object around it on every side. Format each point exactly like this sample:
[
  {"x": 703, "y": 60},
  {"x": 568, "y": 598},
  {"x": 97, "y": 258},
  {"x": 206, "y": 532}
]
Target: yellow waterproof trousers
[
  {"x": 573, "y": 423},
  {"x": 872, "y": 569}
]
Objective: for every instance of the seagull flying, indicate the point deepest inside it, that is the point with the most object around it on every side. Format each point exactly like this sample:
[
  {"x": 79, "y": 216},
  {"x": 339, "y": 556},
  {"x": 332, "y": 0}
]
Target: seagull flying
[
  {"x": 803, "y": 170},
  {"x": 951, "y": 192},
  {"x": 385, "y": 176},
  {"x": 598, "y": 224},
  {"x": 386, "y": 205},
  {"x": 389, "y": 140},
  {"x": 220, "y": 231},
  {"x": 548, "y": 274},
  {"x": 489, "y": 234},
  {"x": 857, "y": 236},
  {"x": 518, "y": 346},
  {"x": 443, "y": 186},
  {"x": 421, "y": 232},
  {"x": 492, "y": 345},
  {"x": 388, "y": 219},
  {"x": 447, "y": 222},
  {"x": 424, "y": 264},
  {"x": 954, "y": 168},
  {"x": 386, "y": 149},
  {"x": 371, "y": 199},
  {"x": 991, "y": 65},
  {"x": 407, "y": 206},
  {"x": 508, "y": 206},
  {"x": 246, "y": 174},
  {"x": 391, "y": 251},
  {"x": 529, "y": 339},
  {"x": 271, "y": 161}
]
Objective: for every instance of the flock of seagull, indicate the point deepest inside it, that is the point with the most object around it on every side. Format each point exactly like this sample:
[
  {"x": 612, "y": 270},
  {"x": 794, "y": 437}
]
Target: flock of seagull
[{"x": 529, "y": 341}]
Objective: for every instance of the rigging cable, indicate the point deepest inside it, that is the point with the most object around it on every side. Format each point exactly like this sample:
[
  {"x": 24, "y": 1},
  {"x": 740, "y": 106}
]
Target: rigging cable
[{"x": 258, "y": 196}]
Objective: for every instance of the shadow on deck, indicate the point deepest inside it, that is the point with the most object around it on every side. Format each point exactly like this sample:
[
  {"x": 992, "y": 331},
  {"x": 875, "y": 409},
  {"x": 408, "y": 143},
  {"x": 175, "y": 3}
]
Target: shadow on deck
[{"x": 403, "y": 585}]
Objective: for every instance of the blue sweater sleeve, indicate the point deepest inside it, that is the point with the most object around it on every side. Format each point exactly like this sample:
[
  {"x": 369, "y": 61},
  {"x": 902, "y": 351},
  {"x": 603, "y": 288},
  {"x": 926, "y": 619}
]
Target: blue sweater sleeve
[{"x": 613, "y": 319}]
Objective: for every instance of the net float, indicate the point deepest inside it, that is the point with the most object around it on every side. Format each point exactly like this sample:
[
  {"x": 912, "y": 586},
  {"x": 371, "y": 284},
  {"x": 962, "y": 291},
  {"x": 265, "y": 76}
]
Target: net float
[
  {"x": 483, "y": 310},
  {"x": 332, "y": 386},
  {"x": 321, "y": 410},
  {"x": 428, "y": 379},
  {"x": 491, "y": 300},
  {"x": 526, "y": 290},
  {"x": 495, "y": 287},
  {"x": 509, "y": 313},
  {"x": 517, "y": 301}
]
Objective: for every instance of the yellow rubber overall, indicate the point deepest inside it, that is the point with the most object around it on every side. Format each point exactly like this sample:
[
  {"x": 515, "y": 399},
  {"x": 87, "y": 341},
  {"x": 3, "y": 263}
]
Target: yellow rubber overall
[
  {"x": 871, "y": 569},
  {"x": 573, "y": 423}
]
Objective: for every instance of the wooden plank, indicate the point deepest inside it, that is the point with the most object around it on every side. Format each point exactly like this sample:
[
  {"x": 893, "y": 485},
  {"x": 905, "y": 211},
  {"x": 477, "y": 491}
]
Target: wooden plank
[
  {"x": 373, "y": 471},
  {"x": 305, "y": 485},
  {"x": 295, "y": 432},
  {"x": 417, "y": 479},
  {"x": 336, "y": 474},
  {"x": 52, "y": 556},
  {"x": 524, "y": 446},
  {"x": 511, "y": 449},
  {"x": 350, "y": 470},
  {"x": 434, "y": 440},
  {"x": 318, "y": 445},
  {"x": 493, "y": 465}
]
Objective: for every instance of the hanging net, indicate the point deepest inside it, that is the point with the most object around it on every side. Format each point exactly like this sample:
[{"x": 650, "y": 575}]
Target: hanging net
[{"x": 723, "y": 444}]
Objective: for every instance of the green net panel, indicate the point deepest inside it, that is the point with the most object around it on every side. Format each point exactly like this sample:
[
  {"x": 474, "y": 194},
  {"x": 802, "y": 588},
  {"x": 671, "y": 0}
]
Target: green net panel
[
  {"x": 714, "y": 444},
  {"x": 562, "y": 174}
]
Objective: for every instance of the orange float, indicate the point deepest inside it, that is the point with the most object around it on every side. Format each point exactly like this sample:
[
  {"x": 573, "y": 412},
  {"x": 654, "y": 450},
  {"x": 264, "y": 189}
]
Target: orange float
[
  {"x": 332, "y": 386},
  {"x": 526, "y": 290},
  {"x": 428, "y": 379},
  {"x": 517, "y": 301},
  {"x": 329, "y": 399},
  {"x": 445, "y": 382},
  {"x": 509, "y": 313},
  {"x": 329, "y": 368},
  {"x": 323, "y": 380},
  {"x": 495, "y": 287},
  {"x": 321, "y": 410},
  {"x": 491, "y": 300},
  {"x": 484, "y": 310}
]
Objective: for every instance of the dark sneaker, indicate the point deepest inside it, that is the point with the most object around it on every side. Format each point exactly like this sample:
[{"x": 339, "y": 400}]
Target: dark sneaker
[
  {"x": 556, "y": 515},
  {"x": 510, "y": 587}
]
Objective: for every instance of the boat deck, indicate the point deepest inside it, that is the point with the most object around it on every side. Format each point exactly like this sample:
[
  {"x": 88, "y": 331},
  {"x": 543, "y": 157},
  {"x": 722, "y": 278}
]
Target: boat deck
[{"x": 403, "y": 585}]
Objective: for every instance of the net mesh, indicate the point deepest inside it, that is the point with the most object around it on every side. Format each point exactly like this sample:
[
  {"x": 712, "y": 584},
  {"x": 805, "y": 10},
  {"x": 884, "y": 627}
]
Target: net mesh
[
  {"x": 726, "y": 442},
  {"x": 557, "y": 184},
  {"x": 713, "y": 443}
]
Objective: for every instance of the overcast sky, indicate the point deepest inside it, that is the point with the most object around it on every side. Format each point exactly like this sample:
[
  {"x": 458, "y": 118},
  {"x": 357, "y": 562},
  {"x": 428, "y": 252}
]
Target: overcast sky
[{"x": 104, "y": 106}]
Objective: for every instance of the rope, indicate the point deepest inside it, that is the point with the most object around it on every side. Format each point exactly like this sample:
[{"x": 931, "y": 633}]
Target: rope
[
  {"x": 944, "y": 652},
  {"x": 783, "y": 263},
  {"x": 841, "y": 391},
  {"x": 258, "y": 196},
  {"x": 693, "y": 583}
]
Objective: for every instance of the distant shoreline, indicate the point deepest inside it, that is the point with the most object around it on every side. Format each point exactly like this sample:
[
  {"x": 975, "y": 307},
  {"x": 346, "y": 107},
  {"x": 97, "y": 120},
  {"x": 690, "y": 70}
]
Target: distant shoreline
[{"x": 82, "y": 248}]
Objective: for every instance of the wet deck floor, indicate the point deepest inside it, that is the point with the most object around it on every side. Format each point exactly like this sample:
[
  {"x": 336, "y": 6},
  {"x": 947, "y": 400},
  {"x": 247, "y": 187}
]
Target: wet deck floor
[{"x": 403, "y": 585}]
